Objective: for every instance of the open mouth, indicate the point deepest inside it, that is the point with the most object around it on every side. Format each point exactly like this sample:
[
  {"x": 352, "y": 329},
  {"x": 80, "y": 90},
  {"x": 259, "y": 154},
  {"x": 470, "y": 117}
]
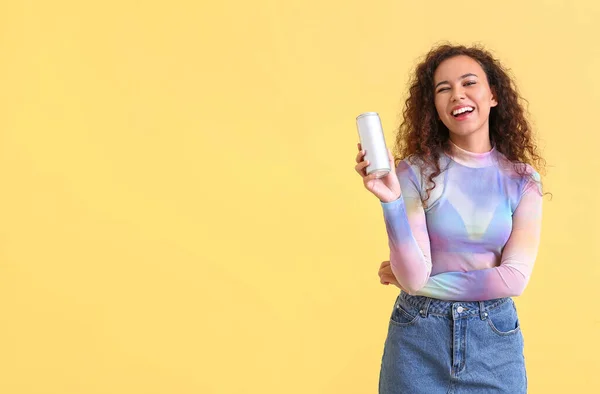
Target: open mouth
[{"x": 462, "y": 112}]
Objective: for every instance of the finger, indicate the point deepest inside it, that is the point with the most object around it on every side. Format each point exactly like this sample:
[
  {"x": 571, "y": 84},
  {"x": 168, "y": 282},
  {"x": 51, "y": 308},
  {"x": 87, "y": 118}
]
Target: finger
[
  {"x": 359, "y": 145},
  {"x": 371, "y": 177},
  {"x": 385, "y": 264},
  {"x": 387, "y": 279},
  {"x": 360, "y": 167},
  {"x": 388, "y": 274},
  {"x": 385, "y": 271},
  {"x": 360, "y": 156}
]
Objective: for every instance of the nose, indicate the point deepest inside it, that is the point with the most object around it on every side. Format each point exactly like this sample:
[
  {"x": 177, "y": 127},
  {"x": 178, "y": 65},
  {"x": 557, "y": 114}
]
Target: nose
[{"x": 458, "y": 94}]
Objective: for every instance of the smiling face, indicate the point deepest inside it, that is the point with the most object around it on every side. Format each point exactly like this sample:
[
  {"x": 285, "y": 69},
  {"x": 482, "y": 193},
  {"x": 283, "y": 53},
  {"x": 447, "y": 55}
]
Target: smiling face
[{"x": 463, "y": 97}]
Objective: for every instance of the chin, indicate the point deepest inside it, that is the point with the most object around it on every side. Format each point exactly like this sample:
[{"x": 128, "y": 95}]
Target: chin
[
  {"x": 467, "y": 133},
  {"x": 464, "y": 131}
]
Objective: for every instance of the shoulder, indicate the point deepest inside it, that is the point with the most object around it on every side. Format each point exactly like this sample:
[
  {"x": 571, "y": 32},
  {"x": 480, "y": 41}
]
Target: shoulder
[
  {"x": 531, "y": 180},
  {"x": 524, "y": 175},
  {"x": 412, "y": 166},
  {"x": 409, "y": 170},
  {"x": 416, "y": 165}
]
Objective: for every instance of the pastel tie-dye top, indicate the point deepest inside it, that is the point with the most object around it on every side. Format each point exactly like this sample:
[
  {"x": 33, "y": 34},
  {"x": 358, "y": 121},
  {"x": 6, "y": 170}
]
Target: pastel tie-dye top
[{"x": 477, "y": 236}]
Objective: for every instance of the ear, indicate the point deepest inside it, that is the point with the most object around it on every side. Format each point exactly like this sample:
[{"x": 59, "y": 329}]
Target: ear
[{"x": 493, "y": 100}]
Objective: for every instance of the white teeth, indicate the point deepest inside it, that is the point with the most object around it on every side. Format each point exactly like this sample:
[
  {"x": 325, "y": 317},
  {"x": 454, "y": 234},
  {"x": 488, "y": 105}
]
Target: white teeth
[{"x": 462, "y": 110}]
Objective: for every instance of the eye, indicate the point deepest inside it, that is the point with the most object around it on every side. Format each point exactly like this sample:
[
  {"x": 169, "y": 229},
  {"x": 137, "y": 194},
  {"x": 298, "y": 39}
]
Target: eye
[
  {"x": 469, "y": 83},
  {"x": 443, "y": 89}
]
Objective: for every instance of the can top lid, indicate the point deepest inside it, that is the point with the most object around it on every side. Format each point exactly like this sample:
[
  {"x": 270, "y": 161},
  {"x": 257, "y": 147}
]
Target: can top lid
[{"x": 367, "y": 114}]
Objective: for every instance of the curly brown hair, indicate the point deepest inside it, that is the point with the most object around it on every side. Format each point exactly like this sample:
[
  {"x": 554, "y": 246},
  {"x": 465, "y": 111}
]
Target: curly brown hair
[{"x": 423, "y": 135}]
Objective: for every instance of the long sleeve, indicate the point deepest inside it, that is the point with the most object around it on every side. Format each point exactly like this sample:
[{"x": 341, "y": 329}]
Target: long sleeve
[
  {"x": 410, "y": 255},
  {"x": 518, "y": 256}
]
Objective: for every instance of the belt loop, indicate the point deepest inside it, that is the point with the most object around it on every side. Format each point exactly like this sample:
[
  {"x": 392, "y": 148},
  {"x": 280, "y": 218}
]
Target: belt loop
[
  {"x": 482, "y": 313},
  {"x": 424, "y": 312}
]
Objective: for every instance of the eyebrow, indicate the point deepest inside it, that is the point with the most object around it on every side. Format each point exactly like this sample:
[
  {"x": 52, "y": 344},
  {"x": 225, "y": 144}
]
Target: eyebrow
[{"x": 462, "y": 77}]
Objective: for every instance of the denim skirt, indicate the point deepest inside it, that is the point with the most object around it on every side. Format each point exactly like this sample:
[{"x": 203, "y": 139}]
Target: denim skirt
[{"x": 436, "y": 346}]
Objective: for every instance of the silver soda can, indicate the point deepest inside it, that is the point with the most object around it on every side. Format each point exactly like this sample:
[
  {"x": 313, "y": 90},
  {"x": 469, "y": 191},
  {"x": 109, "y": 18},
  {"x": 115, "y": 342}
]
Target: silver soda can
[{"x": 372, "y": 140}]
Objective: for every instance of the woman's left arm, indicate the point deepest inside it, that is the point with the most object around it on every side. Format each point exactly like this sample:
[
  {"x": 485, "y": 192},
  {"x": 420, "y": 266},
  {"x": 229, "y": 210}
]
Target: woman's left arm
[{"x": 512, "y": 275}]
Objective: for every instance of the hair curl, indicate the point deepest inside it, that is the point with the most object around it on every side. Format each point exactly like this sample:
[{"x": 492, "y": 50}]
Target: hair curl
[{"x": 423, "y": 135}]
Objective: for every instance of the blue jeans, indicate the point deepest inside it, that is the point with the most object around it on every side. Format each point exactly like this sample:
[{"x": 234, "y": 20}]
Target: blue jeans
[{"x": 436, "y": 346}]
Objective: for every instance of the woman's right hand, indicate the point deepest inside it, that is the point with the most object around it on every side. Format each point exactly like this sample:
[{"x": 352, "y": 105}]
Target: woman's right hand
[{"x": 387, "y": 188}]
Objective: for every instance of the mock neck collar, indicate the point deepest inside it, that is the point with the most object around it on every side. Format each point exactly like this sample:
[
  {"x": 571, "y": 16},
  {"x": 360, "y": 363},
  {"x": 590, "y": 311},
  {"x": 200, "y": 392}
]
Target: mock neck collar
[{"x": 471, "y": 159}]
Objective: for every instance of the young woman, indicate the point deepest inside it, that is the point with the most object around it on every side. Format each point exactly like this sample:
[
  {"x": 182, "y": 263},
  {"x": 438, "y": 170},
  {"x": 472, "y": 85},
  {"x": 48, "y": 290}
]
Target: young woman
[{"x": 463, "y": 214}]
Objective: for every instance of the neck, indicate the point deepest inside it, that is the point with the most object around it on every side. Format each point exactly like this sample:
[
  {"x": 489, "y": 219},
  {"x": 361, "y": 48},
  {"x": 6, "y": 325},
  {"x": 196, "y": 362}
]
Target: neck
[
  {"x": 472, "y": 158},
  {"x": 476, "y": 142}
]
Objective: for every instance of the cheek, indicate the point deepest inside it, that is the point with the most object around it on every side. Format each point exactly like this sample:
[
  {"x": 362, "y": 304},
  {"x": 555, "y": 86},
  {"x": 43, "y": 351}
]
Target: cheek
[
  {"x": 484, "y": 103},
  {"x": 440, "y": 108},
  {"x": 484, "y": 98}
]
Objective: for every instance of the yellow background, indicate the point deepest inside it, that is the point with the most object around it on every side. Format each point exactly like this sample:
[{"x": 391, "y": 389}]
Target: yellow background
[{"x": 179, "y": 211}]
